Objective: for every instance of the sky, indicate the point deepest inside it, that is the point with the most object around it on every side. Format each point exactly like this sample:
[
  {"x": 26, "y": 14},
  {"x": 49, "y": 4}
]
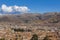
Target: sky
[{"x": 39, "y": 6}]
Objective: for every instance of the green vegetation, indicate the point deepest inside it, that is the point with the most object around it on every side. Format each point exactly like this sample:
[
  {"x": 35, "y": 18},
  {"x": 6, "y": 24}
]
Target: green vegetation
[
  {"x": 35, "y": 37},
  {"x": 2, "y": 39},
  {"x": 19, "y": 30},
  {"x": 46, "y": 38}
]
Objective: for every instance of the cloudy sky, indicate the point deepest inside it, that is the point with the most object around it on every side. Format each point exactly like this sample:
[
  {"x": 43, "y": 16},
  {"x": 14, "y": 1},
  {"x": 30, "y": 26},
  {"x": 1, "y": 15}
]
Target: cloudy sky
[
  {"x": 14, "y": 8},
  {"x": 9, "y": 6}
]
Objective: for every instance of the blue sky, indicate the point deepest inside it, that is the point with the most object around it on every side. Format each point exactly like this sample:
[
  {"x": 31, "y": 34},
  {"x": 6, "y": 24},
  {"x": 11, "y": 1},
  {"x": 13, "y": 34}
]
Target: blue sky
[{"x": 35, "y": 5}]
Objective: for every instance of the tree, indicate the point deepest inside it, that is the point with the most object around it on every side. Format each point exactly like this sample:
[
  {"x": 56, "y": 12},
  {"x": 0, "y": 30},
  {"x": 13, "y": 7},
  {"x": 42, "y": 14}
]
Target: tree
[
  {"x": 35, "y": 37},
  {"x": 2, "y": 39},
  {"x": 46, "y": 38}
]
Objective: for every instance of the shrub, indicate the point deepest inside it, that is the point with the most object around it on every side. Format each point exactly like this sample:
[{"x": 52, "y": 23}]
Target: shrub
[
  {"x": 46, "y": 38},
  {"x": 35, "y": 37}
]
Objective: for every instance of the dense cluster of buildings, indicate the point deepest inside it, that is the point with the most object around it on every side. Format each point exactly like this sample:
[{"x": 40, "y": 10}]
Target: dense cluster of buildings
[{"x": 13, "y": 32}]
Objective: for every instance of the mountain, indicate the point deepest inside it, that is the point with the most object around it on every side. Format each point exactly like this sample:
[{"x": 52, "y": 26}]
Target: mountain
[
  {"x": 32, "y": 18},
  {"x": 23, "y": 25}
]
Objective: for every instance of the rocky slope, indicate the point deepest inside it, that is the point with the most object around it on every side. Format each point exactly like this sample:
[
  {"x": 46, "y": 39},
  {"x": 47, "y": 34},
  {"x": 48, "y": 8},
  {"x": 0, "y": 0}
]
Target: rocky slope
[{"x": 30, "y": 23}]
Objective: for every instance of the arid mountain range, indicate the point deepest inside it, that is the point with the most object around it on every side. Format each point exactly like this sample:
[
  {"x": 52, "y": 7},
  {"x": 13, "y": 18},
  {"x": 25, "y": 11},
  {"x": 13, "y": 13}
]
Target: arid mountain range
[
  {"x": 24, "y": 26},
  {"x": 52, "y": 18}
]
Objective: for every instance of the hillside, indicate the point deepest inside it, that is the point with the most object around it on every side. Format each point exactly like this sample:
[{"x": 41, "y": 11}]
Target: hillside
[
  {"x": 29, "y": 17},
  {"x": 28, "y": 24}
]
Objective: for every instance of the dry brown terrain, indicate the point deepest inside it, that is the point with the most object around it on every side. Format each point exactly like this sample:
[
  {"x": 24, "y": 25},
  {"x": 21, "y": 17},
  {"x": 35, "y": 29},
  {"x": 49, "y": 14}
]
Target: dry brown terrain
[{"x": 23, "y": 26}]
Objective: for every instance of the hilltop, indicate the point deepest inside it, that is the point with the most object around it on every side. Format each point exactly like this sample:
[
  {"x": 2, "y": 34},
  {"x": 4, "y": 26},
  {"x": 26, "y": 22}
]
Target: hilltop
[{"x": 52, "y": 17}]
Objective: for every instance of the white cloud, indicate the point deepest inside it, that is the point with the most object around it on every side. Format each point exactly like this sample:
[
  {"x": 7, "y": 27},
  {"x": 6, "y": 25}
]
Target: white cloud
[
  {"x": 6, "y": 8},
  {"x": 15, "y": 8},
  {"x": 21, "y": 8}
]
